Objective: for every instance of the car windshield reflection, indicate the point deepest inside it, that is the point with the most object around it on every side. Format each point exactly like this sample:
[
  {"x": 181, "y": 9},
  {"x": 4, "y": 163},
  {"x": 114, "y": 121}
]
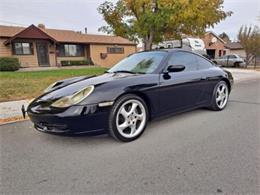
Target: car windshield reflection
[{"x": 139, "y": 63}]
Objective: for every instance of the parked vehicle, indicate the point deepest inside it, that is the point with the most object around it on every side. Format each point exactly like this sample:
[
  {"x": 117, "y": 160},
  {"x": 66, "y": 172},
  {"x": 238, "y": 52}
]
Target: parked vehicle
[
  {"x": 231, "y": 60},
  {"x": 141, "y": 87},
  {"x": 192, "y": 44}
]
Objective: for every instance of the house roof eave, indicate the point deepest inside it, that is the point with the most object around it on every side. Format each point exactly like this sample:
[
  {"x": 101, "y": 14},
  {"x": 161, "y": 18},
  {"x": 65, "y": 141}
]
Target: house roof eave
[{"x": 8, "y": 41}]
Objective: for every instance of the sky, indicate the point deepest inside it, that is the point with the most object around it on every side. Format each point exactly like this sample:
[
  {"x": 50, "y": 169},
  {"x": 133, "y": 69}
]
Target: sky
[{"x": 78, "y": 14}]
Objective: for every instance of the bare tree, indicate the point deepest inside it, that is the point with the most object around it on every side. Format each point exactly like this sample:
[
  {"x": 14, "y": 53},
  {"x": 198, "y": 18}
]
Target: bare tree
[{"x": 249, "y": 38}]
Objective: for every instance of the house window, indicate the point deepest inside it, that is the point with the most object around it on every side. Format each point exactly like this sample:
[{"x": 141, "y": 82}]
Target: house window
[
  {"x": 22, "y": 48},
  {"x": 219, "y": 53},
  {"x": 115, "y": 50},
  {"x": 71, "y": 50}
]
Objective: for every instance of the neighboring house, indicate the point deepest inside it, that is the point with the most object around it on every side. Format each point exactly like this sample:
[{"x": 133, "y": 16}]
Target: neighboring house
[
  {"x": 215, "y": 46},
  {"x": 38, "y": 46},
  {"x": 235, "y": 48}
]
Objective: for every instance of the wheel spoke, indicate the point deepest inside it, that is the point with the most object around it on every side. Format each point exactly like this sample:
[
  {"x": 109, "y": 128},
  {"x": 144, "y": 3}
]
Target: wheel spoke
[
  {"x": 219, "y": 98},
  {"x": 123, "y": 126},
  {"x": 133, "y": 129},
  {"x": 133, "y": 108},
  {"x": 224, "y": 91},
  {"x": 140, "y": 116},
  {"x": 219, "y": 91},
  {"x": 124, "y": 113}
]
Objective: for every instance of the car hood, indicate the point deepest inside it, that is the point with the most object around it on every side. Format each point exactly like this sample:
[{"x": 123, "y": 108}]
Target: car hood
[{"x": 79, "y": 83}]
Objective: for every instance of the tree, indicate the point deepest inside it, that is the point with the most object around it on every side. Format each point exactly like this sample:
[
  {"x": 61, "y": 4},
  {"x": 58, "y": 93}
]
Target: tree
[
  {"x": 225, "y": 37},
  {"x": 249, "y": 38},
  {"x": 152, "y": 21}
]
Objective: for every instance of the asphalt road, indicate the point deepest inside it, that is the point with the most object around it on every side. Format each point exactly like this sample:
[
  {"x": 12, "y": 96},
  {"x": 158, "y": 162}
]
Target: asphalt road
[{"x": 200, "y": 152}]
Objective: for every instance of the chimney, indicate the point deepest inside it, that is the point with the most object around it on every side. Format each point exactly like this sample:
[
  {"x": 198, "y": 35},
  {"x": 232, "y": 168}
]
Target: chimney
[
  {"x": 86, "y": 30},
  {"x": 42, "y": 26}
]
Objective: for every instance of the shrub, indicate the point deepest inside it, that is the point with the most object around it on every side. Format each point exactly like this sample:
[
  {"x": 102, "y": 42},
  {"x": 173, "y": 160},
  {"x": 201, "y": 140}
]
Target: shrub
[
  {"x": 76, "y": 62},
  {"x": 9, "y": 64}
]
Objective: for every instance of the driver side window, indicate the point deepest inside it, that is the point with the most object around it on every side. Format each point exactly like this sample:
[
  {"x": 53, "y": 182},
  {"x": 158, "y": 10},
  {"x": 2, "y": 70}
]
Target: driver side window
[{"x": 183, "y": 58}]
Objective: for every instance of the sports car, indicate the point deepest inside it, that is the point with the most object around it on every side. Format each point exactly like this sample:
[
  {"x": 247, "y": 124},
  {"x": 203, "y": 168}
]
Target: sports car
[{"x": 138, "y": 89}]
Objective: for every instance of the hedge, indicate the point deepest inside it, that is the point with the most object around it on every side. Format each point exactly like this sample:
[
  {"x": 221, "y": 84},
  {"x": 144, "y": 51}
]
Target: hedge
[
  {"x": 76, "y": 62},
  {"x": 9, "y": 64}
]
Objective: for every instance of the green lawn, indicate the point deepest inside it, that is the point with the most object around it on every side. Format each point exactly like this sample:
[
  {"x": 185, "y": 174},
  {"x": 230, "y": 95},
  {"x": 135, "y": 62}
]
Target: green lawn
[{"x": 24, "y": 85}]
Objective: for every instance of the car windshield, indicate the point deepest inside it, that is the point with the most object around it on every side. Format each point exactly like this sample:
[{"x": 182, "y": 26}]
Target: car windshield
[{"x": 139, "y": 63}]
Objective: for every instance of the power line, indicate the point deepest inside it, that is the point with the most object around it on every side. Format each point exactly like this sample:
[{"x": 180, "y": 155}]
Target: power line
[{"x": 12, "y": 23}]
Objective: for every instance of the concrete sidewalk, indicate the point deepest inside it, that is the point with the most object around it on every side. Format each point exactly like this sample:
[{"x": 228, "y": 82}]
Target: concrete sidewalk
[{"x": 11, "y": 111}]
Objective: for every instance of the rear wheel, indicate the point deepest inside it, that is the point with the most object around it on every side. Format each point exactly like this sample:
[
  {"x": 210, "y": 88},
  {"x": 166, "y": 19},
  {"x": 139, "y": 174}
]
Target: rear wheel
[
  {"x": 128, "y": 118},
  {"x": 220, "y": 96}
]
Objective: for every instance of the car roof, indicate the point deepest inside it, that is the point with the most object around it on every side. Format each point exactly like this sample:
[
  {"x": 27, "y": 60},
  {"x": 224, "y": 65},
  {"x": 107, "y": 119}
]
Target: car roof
[{"x": 170, "y": 50}]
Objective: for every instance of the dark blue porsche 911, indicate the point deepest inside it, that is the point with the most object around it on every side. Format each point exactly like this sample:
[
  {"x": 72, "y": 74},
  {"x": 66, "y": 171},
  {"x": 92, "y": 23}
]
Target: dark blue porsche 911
[{"x": 141, "y": 87}]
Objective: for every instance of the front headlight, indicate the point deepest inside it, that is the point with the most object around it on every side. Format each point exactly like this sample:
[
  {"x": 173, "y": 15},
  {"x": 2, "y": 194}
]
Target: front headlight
[{"x": 73, "y": 99}]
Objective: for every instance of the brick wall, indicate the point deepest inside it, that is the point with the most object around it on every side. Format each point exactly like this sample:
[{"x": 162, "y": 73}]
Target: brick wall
[
  {"x": 27, "y": 60},
  {"x": 218, "y": 46}
]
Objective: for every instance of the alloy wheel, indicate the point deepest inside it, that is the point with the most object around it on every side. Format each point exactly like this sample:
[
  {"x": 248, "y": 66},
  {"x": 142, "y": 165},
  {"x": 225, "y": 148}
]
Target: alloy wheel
[
  {"x": 222, "y": 96},
  {"x": 131, "y": 118}
]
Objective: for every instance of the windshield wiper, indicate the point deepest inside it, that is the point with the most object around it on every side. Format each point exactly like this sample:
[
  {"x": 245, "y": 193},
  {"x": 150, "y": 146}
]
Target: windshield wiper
[{"x": 127, "y": 71}]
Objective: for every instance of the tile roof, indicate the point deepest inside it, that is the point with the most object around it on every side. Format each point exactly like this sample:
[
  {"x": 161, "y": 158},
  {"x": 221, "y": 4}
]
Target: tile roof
[
  {"x": 234, "y": 45},
  {"x": 69, "y": 36}
]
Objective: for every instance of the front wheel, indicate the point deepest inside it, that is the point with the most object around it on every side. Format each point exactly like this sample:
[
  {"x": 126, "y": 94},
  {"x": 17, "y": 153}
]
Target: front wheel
[
  {"x": 128, "y": 118},
  {"x": 220, "y": 96}
]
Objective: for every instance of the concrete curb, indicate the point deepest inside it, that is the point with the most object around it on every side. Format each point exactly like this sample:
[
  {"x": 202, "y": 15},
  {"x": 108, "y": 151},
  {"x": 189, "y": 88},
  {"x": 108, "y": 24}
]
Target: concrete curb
[
  {"x": 11, "y": 111},
  {"x": 14, "y": 121}
]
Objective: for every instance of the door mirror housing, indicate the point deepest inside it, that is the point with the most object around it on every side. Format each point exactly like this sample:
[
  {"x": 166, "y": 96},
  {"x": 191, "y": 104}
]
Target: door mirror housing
[{"x": 175, "y": 68}]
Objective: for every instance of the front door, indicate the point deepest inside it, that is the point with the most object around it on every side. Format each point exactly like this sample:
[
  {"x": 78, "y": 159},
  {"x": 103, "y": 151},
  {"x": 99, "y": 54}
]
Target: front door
[
  {"x": 181, "y": 90},
  {"x": 43, "y": 53}
]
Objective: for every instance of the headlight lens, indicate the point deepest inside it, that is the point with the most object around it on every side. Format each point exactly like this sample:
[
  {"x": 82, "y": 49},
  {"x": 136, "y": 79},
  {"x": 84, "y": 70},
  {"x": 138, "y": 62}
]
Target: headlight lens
[{"x": 73, "y": 99}]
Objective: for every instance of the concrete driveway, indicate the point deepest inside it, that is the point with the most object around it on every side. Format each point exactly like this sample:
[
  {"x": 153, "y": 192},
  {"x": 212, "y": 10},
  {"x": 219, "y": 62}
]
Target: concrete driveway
[{"x": 199, "y": 152}]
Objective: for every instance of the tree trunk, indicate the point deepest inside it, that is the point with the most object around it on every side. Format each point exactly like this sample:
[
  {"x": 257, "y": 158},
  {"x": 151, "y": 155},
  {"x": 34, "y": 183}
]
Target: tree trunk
[
  {"x": 148, "y": 42},
  {"x": 247, "y": 58},
  {"x": 255, "y": 62}
]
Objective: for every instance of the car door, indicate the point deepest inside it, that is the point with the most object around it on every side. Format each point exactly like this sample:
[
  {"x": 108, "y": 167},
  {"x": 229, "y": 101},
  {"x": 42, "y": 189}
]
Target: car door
[
  {"x": 180, "y": 90},
  {"x": 209, "y": 79},
  {"x": 223, "y": 60},
  {"x": 231, "y": 60}
]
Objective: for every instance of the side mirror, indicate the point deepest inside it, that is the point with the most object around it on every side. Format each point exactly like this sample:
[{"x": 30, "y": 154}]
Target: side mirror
[{"x": 175, "y": 68}]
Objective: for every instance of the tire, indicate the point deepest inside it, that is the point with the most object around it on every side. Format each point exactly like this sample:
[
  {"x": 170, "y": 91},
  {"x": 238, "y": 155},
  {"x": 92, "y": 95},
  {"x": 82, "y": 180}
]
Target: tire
[
  {"x": 128, "y": 118},
  {"x": 220, "y": 96}
]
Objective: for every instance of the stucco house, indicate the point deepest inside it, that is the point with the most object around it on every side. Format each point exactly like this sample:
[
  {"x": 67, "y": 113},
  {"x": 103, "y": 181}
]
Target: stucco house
[{"x": 36, "y": 46}]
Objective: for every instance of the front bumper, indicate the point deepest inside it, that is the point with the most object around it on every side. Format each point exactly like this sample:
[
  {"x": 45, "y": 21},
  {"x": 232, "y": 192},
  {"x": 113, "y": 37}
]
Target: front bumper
[{"x": 74, "y": 120}]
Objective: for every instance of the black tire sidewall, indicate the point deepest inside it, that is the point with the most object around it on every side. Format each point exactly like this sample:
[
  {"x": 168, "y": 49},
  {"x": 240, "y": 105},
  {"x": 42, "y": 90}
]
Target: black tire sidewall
[{"x": 112, "y": 118}]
